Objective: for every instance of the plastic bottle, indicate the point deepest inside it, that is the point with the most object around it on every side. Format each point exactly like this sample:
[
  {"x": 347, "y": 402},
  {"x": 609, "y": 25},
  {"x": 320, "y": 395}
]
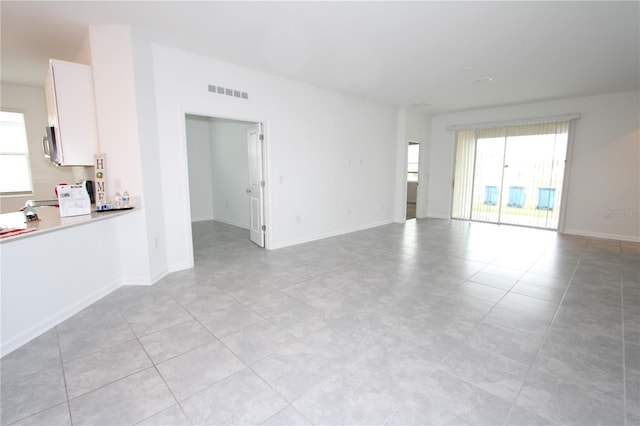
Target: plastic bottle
[
  {"x": 117, "y": 200},
  {"x": 125, "y": 199}
]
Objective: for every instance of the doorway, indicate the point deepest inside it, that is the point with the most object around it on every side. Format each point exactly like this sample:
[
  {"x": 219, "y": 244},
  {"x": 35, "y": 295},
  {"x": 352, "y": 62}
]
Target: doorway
[
  {"x": 511, "y": 175},
  {"x": 413, "y": 167},
  {"x": 226, "y": 173}
]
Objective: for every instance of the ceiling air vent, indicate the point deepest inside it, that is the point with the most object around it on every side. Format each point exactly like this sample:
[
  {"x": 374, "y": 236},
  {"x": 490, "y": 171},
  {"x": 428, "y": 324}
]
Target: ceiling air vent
[{"x": 225, "y": 91}]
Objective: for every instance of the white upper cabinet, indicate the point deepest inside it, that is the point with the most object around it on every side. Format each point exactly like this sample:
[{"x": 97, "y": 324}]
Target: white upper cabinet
[{"x": 71, "y": 113}]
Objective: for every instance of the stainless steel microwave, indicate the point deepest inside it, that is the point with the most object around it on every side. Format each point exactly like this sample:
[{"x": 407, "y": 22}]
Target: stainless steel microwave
[{"x": 50, "y": 146}]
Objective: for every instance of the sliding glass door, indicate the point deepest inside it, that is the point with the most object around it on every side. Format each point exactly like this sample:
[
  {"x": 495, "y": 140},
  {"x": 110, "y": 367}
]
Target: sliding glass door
[
  {"x": 488, "y": 167},
  {"x": 511, "y": 175}
]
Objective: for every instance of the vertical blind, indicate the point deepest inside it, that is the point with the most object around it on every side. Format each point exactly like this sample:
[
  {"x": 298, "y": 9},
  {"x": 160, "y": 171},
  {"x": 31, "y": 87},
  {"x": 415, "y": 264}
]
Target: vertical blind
[
  {"x": 463, "y": 178},
  {"x": 511, "y": 174}
]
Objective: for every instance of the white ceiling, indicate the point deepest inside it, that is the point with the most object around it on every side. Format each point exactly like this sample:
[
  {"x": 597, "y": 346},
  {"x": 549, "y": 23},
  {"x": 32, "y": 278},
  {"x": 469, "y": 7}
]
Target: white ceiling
[{"x": 397, "y": 53}]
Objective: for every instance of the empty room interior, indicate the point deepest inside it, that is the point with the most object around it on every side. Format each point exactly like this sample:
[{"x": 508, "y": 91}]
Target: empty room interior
[{"x": 331, "y": 213}]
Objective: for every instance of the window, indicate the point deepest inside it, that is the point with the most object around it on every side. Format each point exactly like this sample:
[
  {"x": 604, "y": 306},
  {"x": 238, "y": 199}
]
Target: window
[
  {"x": 413, "y": 161},
  {"x": 511, "y": 174},
  {"x": 15, "y": 174}
]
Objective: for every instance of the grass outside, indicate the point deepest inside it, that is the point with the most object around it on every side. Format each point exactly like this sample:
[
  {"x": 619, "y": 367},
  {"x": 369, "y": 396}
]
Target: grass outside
[{"x": 527, "y": 210}]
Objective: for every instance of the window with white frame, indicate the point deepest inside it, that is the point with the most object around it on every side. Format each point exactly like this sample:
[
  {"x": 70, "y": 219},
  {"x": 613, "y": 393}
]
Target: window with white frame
[
  {"x": 413, "y": 161},
  {"x": 15, "y": 173}
]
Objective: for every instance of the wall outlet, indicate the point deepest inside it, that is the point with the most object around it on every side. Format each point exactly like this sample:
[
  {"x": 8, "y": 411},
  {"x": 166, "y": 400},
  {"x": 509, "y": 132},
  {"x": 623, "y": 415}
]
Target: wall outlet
[{"x": 298, "y": 218}]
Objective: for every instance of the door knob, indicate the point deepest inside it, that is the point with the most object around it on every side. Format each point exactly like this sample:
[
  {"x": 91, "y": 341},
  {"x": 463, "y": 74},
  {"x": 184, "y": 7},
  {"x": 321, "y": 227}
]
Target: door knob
[{"x": 248, "y": 190}]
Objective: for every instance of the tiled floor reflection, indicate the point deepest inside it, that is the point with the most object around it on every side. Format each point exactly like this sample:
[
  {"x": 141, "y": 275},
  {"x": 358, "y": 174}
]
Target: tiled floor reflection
[{"x": 431, "y": 322}]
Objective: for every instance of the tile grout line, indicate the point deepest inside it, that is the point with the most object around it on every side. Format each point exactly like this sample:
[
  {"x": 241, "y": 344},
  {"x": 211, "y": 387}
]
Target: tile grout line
[
  {"x": 136, "y": 338},
  {"x": 441, "y": 363},
  {"x": 503, "y": 296},
  {"x": 263, "y": 380},
  {"x": 543, "y": 340},
  {"x": 66, "y": 402},
  {"x": 624, "y": 349},
  {"x": 246, "y": 365},
  {"x": 64, "y": 378},
  {"x": 125, "y": 321},
  {"x": 582, "y": 259},
  {"x": 390, "y": 416},
  {"x": 155, "y": 367}
]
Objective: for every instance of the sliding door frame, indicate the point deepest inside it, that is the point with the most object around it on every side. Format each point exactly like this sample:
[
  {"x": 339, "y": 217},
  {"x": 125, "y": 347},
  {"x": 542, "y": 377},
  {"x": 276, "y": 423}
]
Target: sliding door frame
[{"x": 566, "y": 179}]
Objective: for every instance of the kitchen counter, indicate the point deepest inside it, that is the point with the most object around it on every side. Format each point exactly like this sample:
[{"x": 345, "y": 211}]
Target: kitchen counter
[
  {"x": 60, "y": 267},
  {"x": 50, "y": 220}
]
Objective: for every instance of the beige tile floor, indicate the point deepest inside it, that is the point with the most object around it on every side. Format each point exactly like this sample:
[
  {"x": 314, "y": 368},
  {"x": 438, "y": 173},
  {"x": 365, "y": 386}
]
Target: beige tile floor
[{"x": 431, "y": 322}]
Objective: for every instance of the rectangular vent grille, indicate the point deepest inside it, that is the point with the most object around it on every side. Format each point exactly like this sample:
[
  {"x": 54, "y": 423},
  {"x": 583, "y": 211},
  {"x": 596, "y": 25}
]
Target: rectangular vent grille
[{"x": 228, "y": 92}]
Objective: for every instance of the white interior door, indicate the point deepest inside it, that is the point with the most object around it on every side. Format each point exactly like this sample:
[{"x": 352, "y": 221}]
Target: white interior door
[{"x": 256, "y": 185}]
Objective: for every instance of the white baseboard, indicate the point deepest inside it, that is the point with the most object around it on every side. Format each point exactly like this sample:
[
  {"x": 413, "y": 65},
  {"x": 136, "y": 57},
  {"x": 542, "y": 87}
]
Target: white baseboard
[
  {"x": 181, "y": 266},
  {"x": 136, "y": 281},
  {"x": 48, "y": 323},
  {"x": 581, "y": 233},
  {"x": 231, "y": 222},
  {"x": 144, "y": 280},
  {"x": 432, "y": 216},
  {"x": 329, "y": 234},
  {"x": 201, "y": 219}
]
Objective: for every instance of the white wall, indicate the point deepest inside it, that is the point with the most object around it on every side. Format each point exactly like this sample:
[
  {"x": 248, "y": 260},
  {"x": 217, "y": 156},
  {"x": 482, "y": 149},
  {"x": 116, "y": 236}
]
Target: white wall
[
  {"x": 149, "y": 157},
  {"x": 230, "y": 171},
  {"x": 132, "y": 245},
  {"x": 199, "y": 155},
  {"x": 328, "y": 154},
  {"x": 48, "y": 277},
  {"x": 112, "y": 66},
  {"x": 125, "y": 105},
  {"x": 400, "y": 183},
  {"x": 604, "y": 179},
  {"x": 45, "y": 175},
  {"x": 218, "y": 169}
]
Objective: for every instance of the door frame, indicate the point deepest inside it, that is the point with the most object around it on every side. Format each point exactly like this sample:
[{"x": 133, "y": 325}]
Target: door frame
[
  {"x": 568, "y": 160},
  {"x": 406, "y": 174},
  {"x": 400, "y": 182},
  {"x": 266, "y": 163}
]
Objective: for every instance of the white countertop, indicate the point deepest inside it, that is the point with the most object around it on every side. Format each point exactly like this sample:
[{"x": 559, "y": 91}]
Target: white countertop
[{"x": 50, "y": 220}]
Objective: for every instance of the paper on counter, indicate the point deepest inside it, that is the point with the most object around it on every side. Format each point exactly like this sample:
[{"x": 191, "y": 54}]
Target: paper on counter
[{"x": 73, "y": 200}]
